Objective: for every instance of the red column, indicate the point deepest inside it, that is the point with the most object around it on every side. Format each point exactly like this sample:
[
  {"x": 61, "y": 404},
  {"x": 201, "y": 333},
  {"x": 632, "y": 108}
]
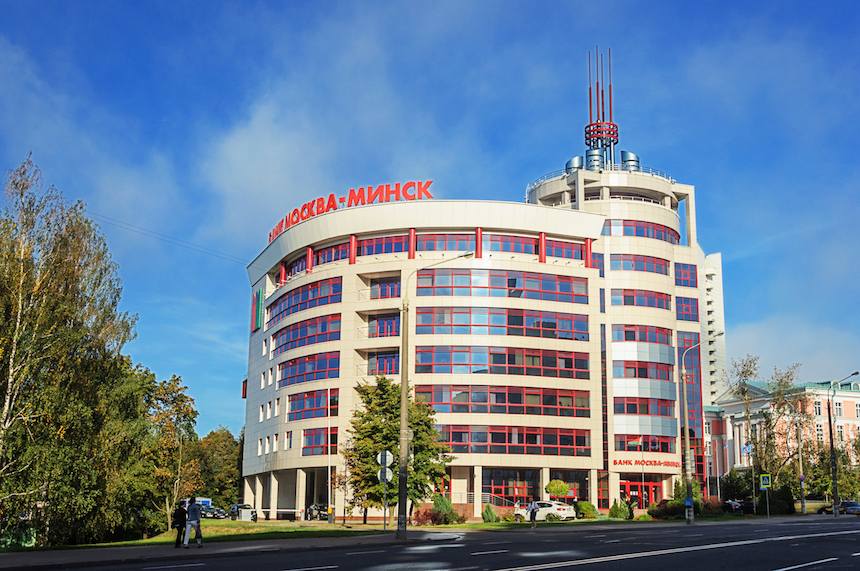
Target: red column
[
  {"x": 282, "y": 279},
  {"x": 310, "y": 260},
  {"x": 542, "y": 248},
  {"x": 353, "y": 244},
  {"x": 479, "y": 242},
  {"x": 412, "y": 243},
  {"x": 587, "y": 255}
]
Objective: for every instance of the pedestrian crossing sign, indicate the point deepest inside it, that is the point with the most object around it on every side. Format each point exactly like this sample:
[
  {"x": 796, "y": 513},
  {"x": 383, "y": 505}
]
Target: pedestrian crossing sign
[{"x": 765, "y": 481}]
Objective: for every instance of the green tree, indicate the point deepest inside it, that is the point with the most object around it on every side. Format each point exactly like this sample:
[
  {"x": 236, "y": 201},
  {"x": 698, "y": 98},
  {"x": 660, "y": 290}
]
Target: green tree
[
  {"x": 736, "y": 485},
  {"x": 376, "y": 427},
  {"x": 175, "y": 476},
  {"x": 557, "y": 488},
  {"x": 217, "y": 454},
  {"x": 61, "y": 333}
]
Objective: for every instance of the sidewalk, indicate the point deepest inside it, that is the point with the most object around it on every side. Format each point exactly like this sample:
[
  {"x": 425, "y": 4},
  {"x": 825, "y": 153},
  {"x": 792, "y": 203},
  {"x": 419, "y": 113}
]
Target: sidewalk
[{"x": 98, "y": 556}]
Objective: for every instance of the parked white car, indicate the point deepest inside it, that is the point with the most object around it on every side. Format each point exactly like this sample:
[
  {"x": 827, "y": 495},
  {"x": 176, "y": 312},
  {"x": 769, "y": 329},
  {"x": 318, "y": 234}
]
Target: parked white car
[{"x": 563, "y": 511}]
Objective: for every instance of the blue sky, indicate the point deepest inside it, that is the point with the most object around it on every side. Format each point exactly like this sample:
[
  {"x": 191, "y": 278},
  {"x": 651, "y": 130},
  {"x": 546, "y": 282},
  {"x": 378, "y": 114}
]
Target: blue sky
[{"x": 208, "y": 121}]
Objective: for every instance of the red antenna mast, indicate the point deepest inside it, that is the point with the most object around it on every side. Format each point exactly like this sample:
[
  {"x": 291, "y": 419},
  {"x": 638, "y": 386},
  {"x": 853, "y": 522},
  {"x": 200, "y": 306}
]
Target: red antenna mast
[{"x": 601, "y": 135}]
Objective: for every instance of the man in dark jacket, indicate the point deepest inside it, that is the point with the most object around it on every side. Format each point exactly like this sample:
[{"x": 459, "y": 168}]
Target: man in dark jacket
[{"x": 179, "y": 517}]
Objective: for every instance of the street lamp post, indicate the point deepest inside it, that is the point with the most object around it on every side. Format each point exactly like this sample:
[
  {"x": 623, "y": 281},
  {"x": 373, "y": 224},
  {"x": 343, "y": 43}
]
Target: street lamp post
[
  {"x": 688, "y": 457},
  {"x": 402, "y": 487},
  {"x": 833, "y": 470}
]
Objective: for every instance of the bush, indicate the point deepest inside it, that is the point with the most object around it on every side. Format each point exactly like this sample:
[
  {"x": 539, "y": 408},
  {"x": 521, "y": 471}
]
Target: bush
[
  {"x": 644, "y": 517},
  {"x": 713, "y": 503},
  {"x": 488, "y": 514},
  {"x": 552, "y": 518},
  {"x": 586, "y": 510},
  {"x": 427, "y": 516},
  {"x": 510, "y": 518},
  {"x": 443, "y": 507}
]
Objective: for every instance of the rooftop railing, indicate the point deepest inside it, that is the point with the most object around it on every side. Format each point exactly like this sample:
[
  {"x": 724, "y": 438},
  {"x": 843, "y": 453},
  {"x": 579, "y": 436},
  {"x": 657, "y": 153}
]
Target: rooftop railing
[{"x": 607, "y": 167}]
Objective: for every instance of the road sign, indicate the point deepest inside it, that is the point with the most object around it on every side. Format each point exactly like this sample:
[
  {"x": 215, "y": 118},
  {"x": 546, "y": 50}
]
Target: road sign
[
  {"x": 385, "y": 474},
  {"x": 765, "y": 481},
  {"x": 385, "y": 458}
]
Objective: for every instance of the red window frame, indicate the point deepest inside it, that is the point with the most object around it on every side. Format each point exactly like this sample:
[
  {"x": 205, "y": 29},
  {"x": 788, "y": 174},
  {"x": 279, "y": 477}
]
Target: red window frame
[
  {"x": 686, "y": 275},
  {"x": 314, "y": 441},
  {"x": 384, "y": 288},
  {"x": 459, "y": 359},
  {"x": 445, "y": 243},
  {"x": 501, "y": 321},
  {"x": 644, "y": 406},
  {"x": 483, "y": 439},
  {"x": 515, "y": 244},
  {"x": 387, "y": 325},
  {"x": 566, "y": 250},
  {"x": 312, "y": 404},
  {"x": 504, "y": 400},
  {"x": 642, "y": 370},
  {"x": 502, "y": 283},
  {"x": 651, "y": 443},
  {"x": 641, "y": 298},
  {"x": 687, "y": 308},
  {"x": 308, "y": 332},
  {"x": 385, "y": 245},
  {"x": 642, "y": 334},
  {"x": 641, "y": 229},
  {"x": 331, "y": 254},
  {"x": 383, "y": 363},
  {"x": 309, "y": 368},
  {"x": 305, "y": 297},
  {"x": 637, "y": 263}
]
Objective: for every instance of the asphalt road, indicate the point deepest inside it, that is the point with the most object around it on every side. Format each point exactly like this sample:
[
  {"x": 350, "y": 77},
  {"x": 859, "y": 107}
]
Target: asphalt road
[{"x": 783, "y": 544}]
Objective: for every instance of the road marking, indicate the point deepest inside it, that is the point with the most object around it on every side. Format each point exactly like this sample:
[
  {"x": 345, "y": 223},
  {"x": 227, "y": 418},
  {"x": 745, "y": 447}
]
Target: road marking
[
  {"x": 175, "y": 566},
  {"x": 365, "y": 552},
  {"x": 807, "y": 564},
  {"x": 590, "y": 536},
  {"x": 495, "y": 543},
  {"x": 612, "y": 541},
  {"x": 855, "y": 554},
  {"x": 490, "y": 552},
  {"x": 672, "y": 551},
  {"x": 313, "y": 568}
]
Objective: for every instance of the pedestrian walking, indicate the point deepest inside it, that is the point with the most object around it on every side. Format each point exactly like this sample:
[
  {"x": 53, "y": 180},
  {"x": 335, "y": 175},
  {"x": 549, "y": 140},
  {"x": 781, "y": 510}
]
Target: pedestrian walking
[
  {"x": 179, "y": 518},
  {"x": 532, "y": 509},
  {"x": 193, "y": 522}
]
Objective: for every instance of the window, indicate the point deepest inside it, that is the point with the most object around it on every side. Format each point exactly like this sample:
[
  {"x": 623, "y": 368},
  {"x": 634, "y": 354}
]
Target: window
[
  {"x": 288, "y": 440},
  {"x": 641, "y": 298},
  {"x": 502, "y": 283},
  {"x": 641, "y": 229},
  {"x": 641, "y": 370},
  {"x": 817, "y": 406},
  {"x": 384, "y": 363},
  {"x": 268, "y": 410},
  {"x": 266, "y": 451},
  {"x": 644, "y": 406},
  {"x": 569, "y": 250},
  {"x": 687, "y": 308},
  {"x": 501, "y": 361},
  {"x": 261, "y": 413},
  {"x": 685, "y": 275},
  {"x": 840, "y": 432},
  {"x": 305, "y": 297},
  {"x": 264, "y": 347},
  {"x": 384, "y": 288},
  {"x": 638, "y": 263},
  {"x": 445, "y": 242},
  {"x": 819, "y": 432},
  {"x": 513, "y": 485},
  {"x": 260, "y": 447},
  {"x": 309, "y": 332},
  {"x": 308, "y": 405},
  {"x": 262, "y": 381},
  {"x": 384, "y": 325},
  {"x": 857, "y": 410},
  {"x": 310, "y": 368},
  {"x": 331, "y": 254},
  {"x": 504, "y": 400},
  {"x": 642, "y": 334},
  {"x": 837, "y": 406},
  {"x": 644, "y": 443},
  {"x": 277, "y": 406},
  {"x": 275, "y": 443},
  {"x": 314, "y": 441},
  {"x": 387, "y": 245},
  {"x": 500, "y": 321},
  {"x": 515, "y": 440},
  {"x": 516, "y": 244}
]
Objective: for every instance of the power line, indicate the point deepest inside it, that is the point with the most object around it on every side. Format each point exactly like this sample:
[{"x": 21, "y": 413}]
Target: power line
[{"x": 165, "y": 238}]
